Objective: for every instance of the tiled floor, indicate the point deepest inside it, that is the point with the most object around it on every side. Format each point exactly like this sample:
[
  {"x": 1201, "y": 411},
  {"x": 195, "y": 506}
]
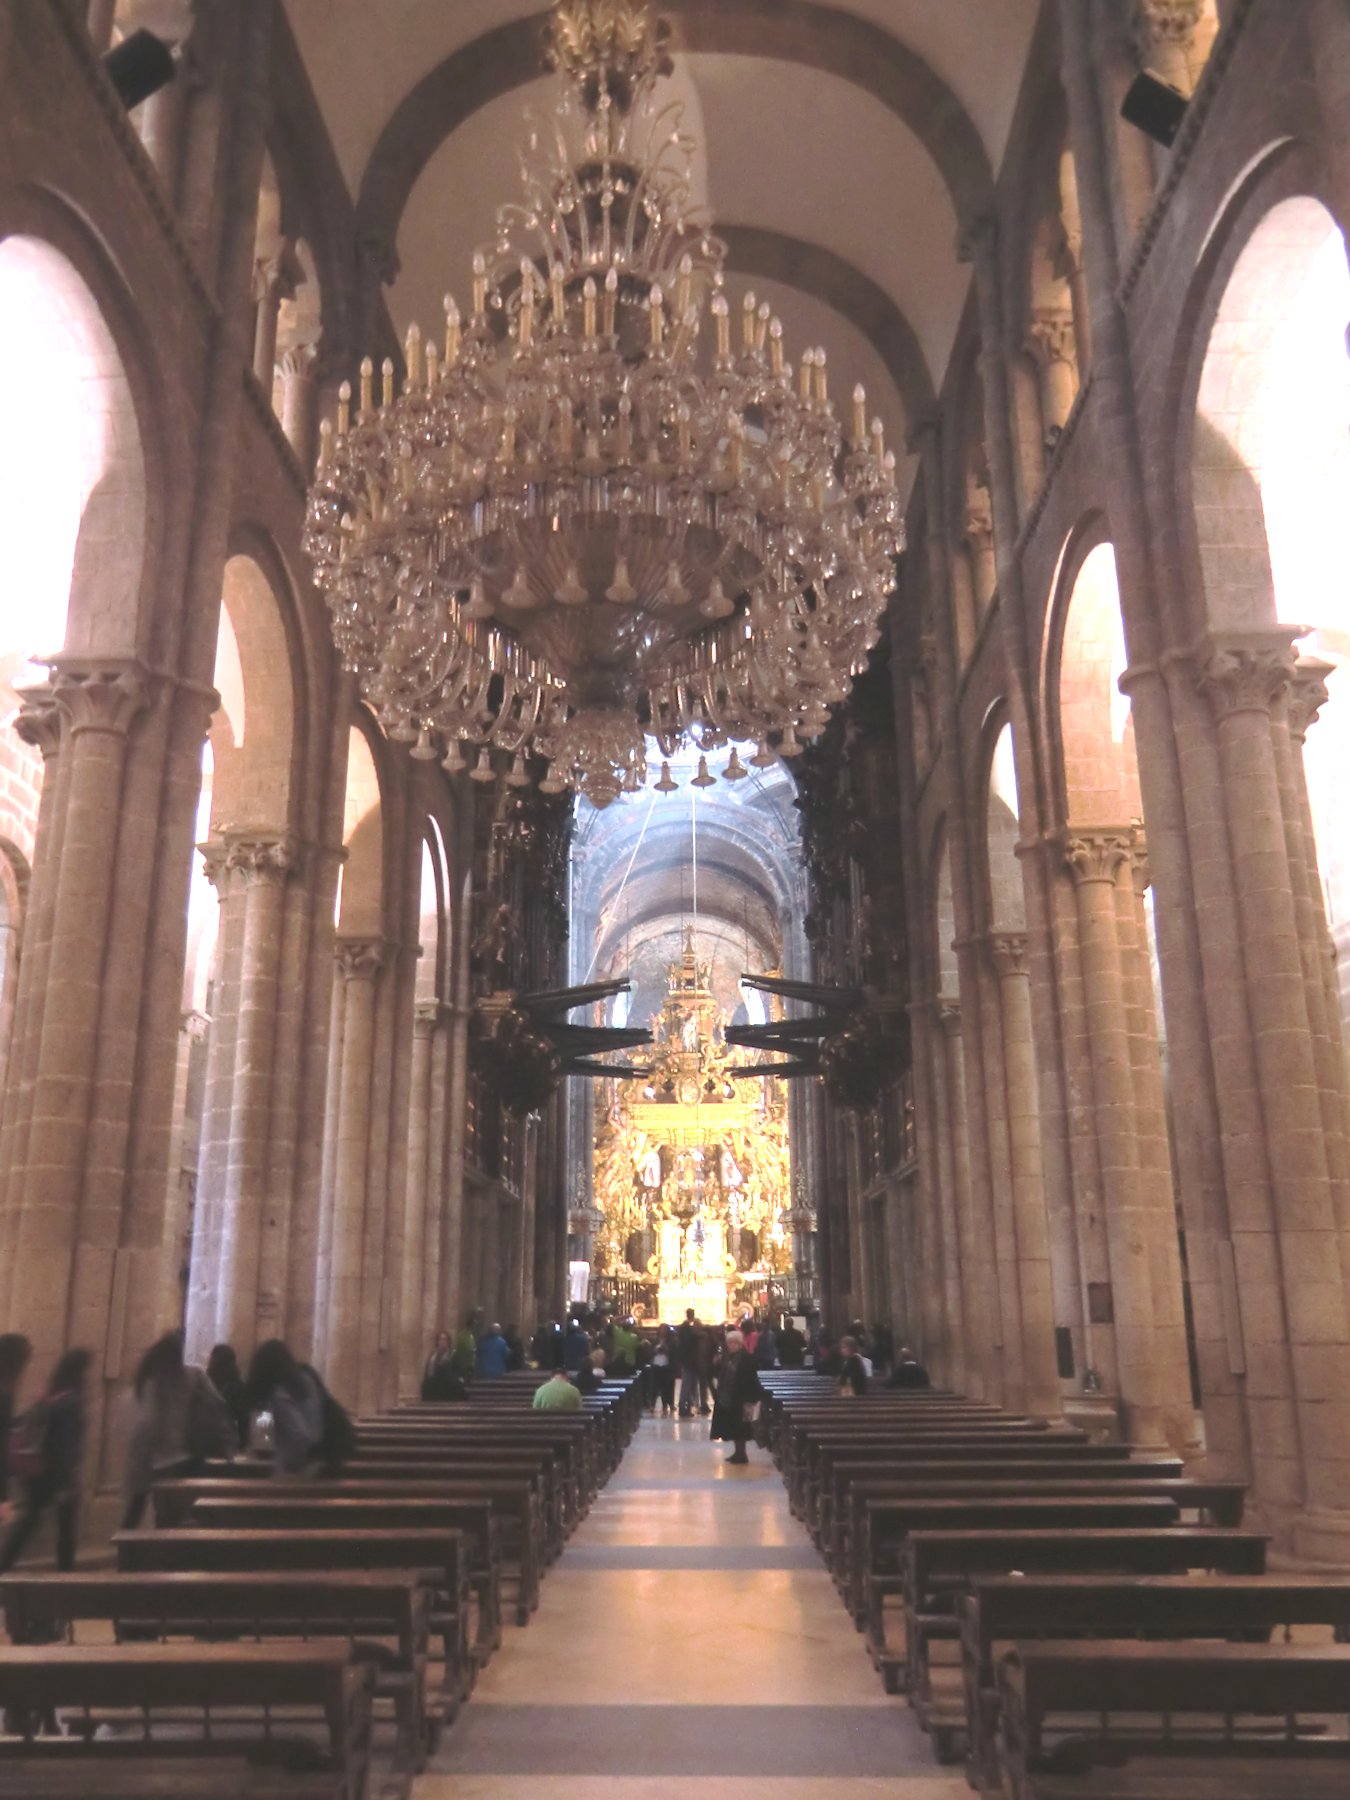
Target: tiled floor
[{"x": 688, "y": 1635}]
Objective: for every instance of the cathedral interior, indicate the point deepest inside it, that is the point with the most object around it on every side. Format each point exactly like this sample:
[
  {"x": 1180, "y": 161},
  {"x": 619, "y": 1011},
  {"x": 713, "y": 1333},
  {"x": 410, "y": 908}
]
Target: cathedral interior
[{"x": 686, "y": 662}]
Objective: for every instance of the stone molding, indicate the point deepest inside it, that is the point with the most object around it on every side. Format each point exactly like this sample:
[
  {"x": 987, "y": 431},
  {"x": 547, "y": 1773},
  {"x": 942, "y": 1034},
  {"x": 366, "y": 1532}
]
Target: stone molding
[
  {"x": 1098, "y": 854},
  {"x": 194, "y": 1026},
  {"x": 949, "y": 1014},
  {"x": 39, "y": 720},
  {"x": 1246, "y": 671},
  {"x": 427, "y": 1015},
  {"x": 105, "y": 695},
  {"x": 360, "y": 959}
]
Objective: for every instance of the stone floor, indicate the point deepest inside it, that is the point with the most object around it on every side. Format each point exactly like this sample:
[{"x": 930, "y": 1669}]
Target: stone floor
[{"x": 688, "y": 1634}]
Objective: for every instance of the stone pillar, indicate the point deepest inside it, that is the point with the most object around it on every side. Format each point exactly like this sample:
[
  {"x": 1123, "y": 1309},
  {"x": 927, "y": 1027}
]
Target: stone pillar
[
  {"x": 213, "y": 1145},
  {"x": 945, "y": 1196},
  {"x": 979, "y": 531},
  {"x": 193, "y": 1031},
  {"x": 413, "y": 1320},
  {"x": 979, "y": 1301},
  {"x": 323, "y": 1257},
  {"x": 99, "y": 703},
  {"x": 262, "y": 861},
  {"x": 981, "y": 1253},
  {"x": 438, "y": 1307},
  {"x": 989, "y": 1010},
  {"x": 38, "y": 724},
  {"x": 1149, "y": 1335},
  {"x": 1246, "y": 678},
  {"x": 1050, "y": 343},
  {"x": 359, "y": 963},
  {"x": 1035, "y": 1289},
  {"x": 273, "y": 282},
  {"x": 300, "y": 402}
]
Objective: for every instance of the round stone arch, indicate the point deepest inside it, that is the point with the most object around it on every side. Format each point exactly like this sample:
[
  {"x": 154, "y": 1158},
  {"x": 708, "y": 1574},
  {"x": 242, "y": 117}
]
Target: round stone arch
[
  {"x": 361, "y": 893},
  {"x": 1089, "y": 729},
  {"x": 1003, "y": 894},
  {"x": 256, "y": 731},
  {"x": 433, "y": 926}
]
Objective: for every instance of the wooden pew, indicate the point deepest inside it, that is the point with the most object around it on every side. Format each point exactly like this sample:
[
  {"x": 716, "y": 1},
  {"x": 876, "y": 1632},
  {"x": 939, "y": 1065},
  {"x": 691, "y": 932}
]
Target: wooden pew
[
  {"x": 937, "y": 1567},
  {"x": 571, "y": 1442},
  {"x": 254, "y": 1552},
  {"x": 1002, "y": 1608},
  {"x": 1171, "y": 1721},
  {"x": 322, "y": 1755},
  {"x": 459, "y": 1505},
  {"x": 365, "y": 1607},
  {"x": 881, "y": 1525},
  {"x": 175, "y": 1504}
]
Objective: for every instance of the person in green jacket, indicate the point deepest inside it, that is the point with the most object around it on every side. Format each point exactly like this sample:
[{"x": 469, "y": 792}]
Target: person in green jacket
[
  {"x": 557, "y": 1395},
  {"x": 464, "y": 1360}
]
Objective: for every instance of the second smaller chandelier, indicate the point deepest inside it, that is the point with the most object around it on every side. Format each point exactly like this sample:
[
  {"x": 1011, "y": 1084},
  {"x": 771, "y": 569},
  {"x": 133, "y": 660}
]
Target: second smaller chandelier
[{"x": 580, "y": 525}]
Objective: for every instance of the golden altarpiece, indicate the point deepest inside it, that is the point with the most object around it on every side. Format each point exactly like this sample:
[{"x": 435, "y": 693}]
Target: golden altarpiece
[{"x": 692, "y": 1165}]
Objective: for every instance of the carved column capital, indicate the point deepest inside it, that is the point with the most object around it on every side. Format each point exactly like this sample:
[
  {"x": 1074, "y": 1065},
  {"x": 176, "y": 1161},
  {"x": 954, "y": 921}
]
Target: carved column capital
[
  {"x": 360, "y": 959},
  {"x": 1050, "y": 337},
  {"x": 427, "y": 1015},
  {"x": 1097, "y": 854},
  {"x": 1246, "y": 671},
  {"x": 101, "y": 695},
  {"x": 1008, "y": 951},
  {"x": 193, "y": 1026},
  {"x": 1141, "y": 870},
  {"x": 1307, "y": 694},
  {"x": 1166, "y": 22},
  {"x": 949, "y": 1014},
  {"x": 979, "y": 519},
  {"x": 215, "y": 864},
  {"x": 298, "y": 361},
  {"x": 266, "y": 856},
  {"x": 39, "y": 720}
]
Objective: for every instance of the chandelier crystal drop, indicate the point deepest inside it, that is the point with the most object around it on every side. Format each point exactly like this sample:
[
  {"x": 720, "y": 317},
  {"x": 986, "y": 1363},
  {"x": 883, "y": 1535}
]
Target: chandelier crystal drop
[{"x": 605, "y": 510}]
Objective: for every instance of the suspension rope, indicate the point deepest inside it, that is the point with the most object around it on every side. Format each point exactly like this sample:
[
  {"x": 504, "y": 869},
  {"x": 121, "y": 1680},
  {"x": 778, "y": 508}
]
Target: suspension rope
[{"x": 614, "y": 909}]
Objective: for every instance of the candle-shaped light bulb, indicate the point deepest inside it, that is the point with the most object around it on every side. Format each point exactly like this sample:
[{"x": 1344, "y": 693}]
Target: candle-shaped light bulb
[
  {"x": 611, "y": 301},
  {"x": 325, "y": 441},
  {"x": 625, "y": 427},
  {"x": 683, "y": 285},
  {"x": 433, "y": 360},
  {"x": 737, "y": 446},
  {"x": 888, "y": 464},
  {"x": 525, "y": 324},
  {"x": 557, "y": 292},
  {"x": 748, "y": 322},
  {"x": 479, "y": 282},
  {"x": 722, "y": 314},
  {"x": 808, "y": 364},
  {"x": 412, "y": 357},
  {"x": 859, "y": 415},
  {"x": 588, "y": 293},
  {"x": 761, "y": 327},
  {"x": 451, "y": 330},
  {"x": 367, "y": 384},
  {"x": 387, "y": 372},
  {"x": 822, "y": 379},
  {"x": 658, "y": 316},
  {"x": 344, "y": 419},
  {"x": 878, "y": 440},
  {"x": 776, "y": 346}
]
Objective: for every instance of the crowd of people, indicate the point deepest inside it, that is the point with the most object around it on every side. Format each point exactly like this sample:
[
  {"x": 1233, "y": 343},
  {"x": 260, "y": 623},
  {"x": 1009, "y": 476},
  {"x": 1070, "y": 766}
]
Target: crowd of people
[{"x": 180, "y": 1416}]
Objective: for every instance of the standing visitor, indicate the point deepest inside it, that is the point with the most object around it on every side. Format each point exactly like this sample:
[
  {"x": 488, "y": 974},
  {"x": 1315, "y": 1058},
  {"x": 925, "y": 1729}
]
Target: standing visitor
[
  {"x": 277, "y": 1384},
  {"x": 494, "y": 1354},
  {"x": 440, "y": 1381},
  {"x": 623, "y": 1343},
  {"x": 662, "y": 1372},
  {"x": 738, "y": 1396},
  {"x": 466, "y": 1348},
  {"x": 576, "y": 1346},
  {"x": 226, "y": 1377},
  {"x": 791, "y": 1345},
  {"x": 688, "y": 1355},
  {"x": 15, "y": 1354},
  {"x": 853, "y": 1368},
  {"x": 546, "y": 1351},
  {"x": 177, "y": 1420},
  {"x": 766, "y": 1350},
  {"x": 46, "y": 1459}
]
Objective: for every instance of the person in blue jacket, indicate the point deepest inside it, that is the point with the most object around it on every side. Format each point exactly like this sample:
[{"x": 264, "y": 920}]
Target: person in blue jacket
[{"x": 494, "y": 1354}]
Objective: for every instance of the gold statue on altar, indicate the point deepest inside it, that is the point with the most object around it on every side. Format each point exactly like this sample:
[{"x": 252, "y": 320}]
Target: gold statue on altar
[{"x": 692, "y": 1168}]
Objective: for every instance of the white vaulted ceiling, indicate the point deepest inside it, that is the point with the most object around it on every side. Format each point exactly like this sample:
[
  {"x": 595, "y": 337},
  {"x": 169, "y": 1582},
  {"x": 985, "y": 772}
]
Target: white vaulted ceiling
[{"x": 842, "y": 143}]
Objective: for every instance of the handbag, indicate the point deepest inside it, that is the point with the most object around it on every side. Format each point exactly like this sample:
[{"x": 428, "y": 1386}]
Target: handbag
[{"x": 751, "y": 1413}]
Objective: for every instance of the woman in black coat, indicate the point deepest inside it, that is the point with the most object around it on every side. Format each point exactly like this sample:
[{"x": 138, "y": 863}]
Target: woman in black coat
[
  {"x": 737, "y": 1390},
  {"x": 56, "y": 1430}
]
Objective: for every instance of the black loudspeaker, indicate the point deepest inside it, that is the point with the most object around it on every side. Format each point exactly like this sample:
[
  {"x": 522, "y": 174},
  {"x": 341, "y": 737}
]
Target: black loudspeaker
[
  {"x": 139, "y": 66},
  {"x": 1155, "y": 107},
  {"x": 1064, "y": 1352}
]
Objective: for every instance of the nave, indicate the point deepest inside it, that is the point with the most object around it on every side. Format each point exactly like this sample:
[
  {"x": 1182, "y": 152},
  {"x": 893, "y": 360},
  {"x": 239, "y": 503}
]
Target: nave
[{"x": 688, "y": 1642}]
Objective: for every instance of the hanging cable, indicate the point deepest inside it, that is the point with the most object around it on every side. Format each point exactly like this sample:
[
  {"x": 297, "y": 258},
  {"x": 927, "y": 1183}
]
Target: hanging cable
[{"x": 614, "y": 910}]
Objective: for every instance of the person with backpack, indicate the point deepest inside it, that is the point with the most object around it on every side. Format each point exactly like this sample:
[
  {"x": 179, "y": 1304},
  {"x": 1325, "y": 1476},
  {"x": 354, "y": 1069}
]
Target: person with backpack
[
  {"x": 178, "y": 1419},
  {"x": 15, "y": 1354},
  {"x": 46, "y": 1449},
  {"x": 227, "y": 1378},
  {"x": 294, "y": 1396}
]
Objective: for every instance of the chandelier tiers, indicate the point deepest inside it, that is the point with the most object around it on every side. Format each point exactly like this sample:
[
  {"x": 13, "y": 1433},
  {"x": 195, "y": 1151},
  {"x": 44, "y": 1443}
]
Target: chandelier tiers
[{"x": 584, "y": 524}]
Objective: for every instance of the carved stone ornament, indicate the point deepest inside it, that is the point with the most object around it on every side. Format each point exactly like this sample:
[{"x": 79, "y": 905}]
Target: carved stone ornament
[
  {"x": 1168, "y": 21},
  {"x": 1307, "y": 694},
  {"x": 261, "y": 856},
  {"x": 215, "y": 866},
  {"x": 427, "y": 1015},
  {"x": 39, "y": 720},
  {"x": 949, "y": 1014},
  {"x": 1246, "y": 675},
  {"x": 1008, "y": 950},
  {"x": 1098, "y": 855},
  {"x": 979, "y": 522},
  {"x": 360, "y": 959},
  {"x": 102, "y": 696},
  {"x": 1050, "y": 337}
]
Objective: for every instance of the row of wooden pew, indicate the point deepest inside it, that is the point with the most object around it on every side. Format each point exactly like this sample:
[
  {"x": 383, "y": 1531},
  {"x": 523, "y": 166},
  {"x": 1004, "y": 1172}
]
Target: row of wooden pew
[
  {"x": 286, "y": 1640},
  {"x": 1075, "y": 1621}
]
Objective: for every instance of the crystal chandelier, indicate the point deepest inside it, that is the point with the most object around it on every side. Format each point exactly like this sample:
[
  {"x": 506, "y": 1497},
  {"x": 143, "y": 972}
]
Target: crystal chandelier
[{"x": 592, "y": 518}]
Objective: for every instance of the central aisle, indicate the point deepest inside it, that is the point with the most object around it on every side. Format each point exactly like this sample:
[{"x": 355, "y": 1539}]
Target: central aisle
[{"x": 688, "y": 1633}]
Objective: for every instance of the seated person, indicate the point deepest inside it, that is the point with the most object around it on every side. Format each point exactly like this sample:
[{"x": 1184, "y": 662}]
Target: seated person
[
  {"x": 558, "y": 1394},
  {"x": 590, "y": 1376},
  {"x": 852, "y": 1368},
  {"x": 908, "y": 1372}
]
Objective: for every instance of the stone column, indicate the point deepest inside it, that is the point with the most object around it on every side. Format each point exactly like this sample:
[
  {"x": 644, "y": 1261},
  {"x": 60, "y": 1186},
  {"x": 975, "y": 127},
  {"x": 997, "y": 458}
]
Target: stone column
[
  {"x": 323, "y": 1245},
  {"x": 300, "y": 402},
  {"x": 100, "y": 703},
  {"x": 1150, "y": 1339},
  {"x": 979, "y": 532},
  {"x": 978, "y": 1300},
  {"x": 273, "y": 282},
  {"x": 193, "y": 1031},
  {"x": 989, "y": 1010},
  {"x": 946, "y": 1199},
  {"x": 213, "y": 1145},
  {"x": 1035, "y": 1289},
  {"x": 413, "y": 1320},
  {"x": 262, "y": 861},
  {"x": 1050, "y": 343},
  {"x": 438, "y": 1306},
  {"x": 38, "y": 724},
  {"x": 1245, "y": 677},
  {"x": 359, "y": 963}
]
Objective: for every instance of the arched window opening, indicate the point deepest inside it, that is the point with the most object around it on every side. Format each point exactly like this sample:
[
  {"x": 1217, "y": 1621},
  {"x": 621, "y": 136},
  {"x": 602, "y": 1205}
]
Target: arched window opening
[
  {"x": 360, "y": 906},
  {"x": 1007, "y": 905}
]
